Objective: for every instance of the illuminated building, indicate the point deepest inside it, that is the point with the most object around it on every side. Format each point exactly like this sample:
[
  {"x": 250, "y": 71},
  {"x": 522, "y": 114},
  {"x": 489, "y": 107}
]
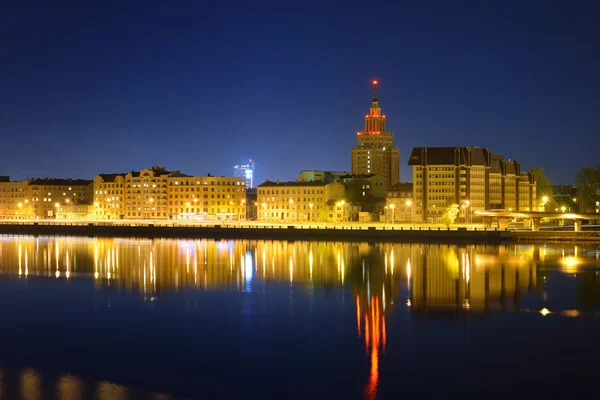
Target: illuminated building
[
  {"x": 63, "y": 196},
  {"x": 155, "y": 193},
  {"x": 13, "y": 204},
  {"x": 375, "y": 152},
  {"x": 471, "y": 177},
  {"x": 45, "y": 198},
  {"x": 296, "y": 201},
  {"x": 342, "y": 211},
  {"x": 109, "y": 196},
  {"x": 399, "y": 203},
  {"x": 206, "y": 197},
  {"x": 245, "y": 171}
]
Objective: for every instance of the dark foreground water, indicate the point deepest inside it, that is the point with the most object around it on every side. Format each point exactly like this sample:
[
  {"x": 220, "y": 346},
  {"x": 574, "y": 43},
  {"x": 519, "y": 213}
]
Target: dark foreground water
[{"x": 202, "y": 319}]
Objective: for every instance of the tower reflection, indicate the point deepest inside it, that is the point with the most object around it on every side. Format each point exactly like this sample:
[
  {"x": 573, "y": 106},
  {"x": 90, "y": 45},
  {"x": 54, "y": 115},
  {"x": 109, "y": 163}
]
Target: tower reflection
[{"x": 418, "y": 280}]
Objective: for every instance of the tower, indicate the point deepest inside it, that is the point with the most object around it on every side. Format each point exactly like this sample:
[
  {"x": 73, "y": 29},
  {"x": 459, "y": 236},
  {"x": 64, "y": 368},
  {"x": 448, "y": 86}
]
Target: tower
[{"x": 375, "y": 152}]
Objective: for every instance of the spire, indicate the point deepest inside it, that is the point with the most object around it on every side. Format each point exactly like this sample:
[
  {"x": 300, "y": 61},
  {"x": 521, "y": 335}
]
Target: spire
[{"x": 375, "y": 90}]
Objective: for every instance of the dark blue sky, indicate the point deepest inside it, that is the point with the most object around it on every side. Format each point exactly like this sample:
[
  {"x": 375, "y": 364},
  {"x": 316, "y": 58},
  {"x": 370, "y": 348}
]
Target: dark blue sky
[{"x": 89, "y": 87}]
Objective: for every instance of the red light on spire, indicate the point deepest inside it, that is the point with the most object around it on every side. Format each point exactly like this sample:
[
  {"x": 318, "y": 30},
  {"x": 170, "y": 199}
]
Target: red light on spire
[{"x": 375, "y": 82}]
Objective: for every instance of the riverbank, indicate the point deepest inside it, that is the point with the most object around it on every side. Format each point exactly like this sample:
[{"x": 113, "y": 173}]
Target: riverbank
[
  {"x": 292, "y": 232},
  {"x": 265, "y": 232},
  {"x": 557, "y": 236}
]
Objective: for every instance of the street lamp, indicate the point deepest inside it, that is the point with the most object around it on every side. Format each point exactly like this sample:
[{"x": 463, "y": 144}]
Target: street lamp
[
  {"x": 544, "y": 201},
  {"x": 343, "y": 203},
  {"x": 393, "y": 207},
  {"x": 311, "y": 211},
  {"x": 291, "y": 204},
  {"x": 467, "y": 204},
  {"x": 409, "y": 205}
]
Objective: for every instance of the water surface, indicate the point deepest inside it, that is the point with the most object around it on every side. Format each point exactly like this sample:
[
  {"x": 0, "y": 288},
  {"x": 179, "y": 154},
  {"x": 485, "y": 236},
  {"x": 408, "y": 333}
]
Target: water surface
[{"x": 194, "y": 319}]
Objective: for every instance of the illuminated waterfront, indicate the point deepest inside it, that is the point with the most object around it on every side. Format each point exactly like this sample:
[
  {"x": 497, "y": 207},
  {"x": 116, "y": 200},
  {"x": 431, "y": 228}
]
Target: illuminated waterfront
[{"x": 119, "y": 318}]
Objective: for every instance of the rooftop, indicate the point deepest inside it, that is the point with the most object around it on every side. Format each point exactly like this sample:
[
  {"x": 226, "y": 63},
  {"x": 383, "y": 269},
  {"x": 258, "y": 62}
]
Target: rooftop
[
  {"x": 450, "y": 156},
  {"x": 402, "y": 187},
  {"x": 291, "y": 183},
  {"x": 60, "y": 182}
]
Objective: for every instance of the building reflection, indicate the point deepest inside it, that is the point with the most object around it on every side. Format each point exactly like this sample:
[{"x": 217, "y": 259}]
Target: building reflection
[
  {"x": 420, "y": 279},
  {"x": 425, "y": 278},
  {"x": 450, "y": 280},
  {"x": 29, "y": 384}
]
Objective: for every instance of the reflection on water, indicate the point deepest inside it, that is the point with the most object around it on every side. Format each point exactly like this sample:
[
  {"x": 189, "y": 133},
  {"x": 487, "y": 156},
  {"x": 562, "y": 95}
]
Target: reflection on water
[
  {"x": 427, "y": 281},
  {"x": 29, "y": 384}
]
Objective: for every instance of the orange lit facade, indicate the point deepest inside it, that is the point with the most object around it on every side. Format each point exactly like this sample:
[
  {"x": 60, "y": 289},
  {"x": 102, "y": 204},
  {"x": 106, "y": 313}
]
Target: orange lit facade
[
  {"x": 375, "y": 152},
  {"x": 206, "y": 197},
  {"x": 155, "y": 193},
  {"x": 13, "y": 204},
  {"x": 471, "y": 177},
  {"x": 296, "y": 201},
  {"x": 45, "y": 198}
]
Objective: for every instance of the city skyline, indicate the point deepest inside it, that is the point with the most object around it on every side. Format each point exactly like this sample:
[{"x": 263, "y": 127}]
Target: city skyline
[{"x": 199, "y": 88}]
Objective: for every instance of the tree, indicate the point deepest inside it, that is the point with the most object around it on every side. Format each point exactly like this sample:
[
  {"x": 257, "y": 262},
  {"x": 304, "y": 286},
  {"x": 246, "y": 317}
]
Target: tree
[
  {"x": 323, "y": 213},
  {"x": 588, "y": 180},
  {"x": 543, "y": 185},
  {"x": 450, "y": 214}
]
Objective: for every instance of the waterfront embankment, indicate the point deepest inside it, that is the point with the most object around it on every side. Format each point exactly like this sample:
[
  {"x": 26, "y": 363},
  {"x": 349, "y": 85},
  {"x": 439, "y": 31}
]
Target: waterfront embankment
[
  {"x": 264, "y": 232},
  {"x": 161, "y": 229}
]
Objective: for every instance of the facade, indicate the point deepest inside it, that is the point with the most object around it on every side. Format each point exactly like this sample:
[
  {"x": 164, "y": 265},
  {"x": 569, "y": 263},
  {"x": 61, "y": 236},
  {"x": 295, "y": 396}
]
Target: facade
[
  {"x": 109, "y": 197},
  {"x": 155, "y": 193},
  {"x": 47, "y": 197},
  {"x": 44, "y": 198},
  {"x": 399, "y": 205},
  {"x": 245, "y": 171},
  {"x": 206, "y": 197},
  {"x": 296, "y": 201},
  {"x": 374, "y": 152},
  {"x": 342, "y": 211},
  {"x": 471, "y": 177},
  {"x": 372, "y": 185},
  {"x": 13, "y": 203}
]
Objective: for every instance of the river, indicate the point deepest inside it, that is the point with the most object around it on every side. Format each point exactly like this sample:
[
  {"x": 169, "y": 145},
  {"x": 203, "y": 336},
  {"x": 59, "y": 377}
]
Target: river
[{"x": 193, "y": 319}]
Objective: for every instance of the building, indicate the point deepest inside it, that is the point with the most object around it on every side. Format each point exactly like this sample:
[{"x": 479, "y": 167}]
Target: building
[
  {"x": 296, "y": 201},
  {"x": 46, "y": 197},
  {"x": 342, "y": 211},
  {"x": 375, "y": 152},
  {"x": 155, "y": 193},
  {"x": 206, "y": 197},
  {"x": 245, "y": 171},
  {"x": 368, "y": 185},
  {"x": 399, "y": 205},
  {"x": 13, "y": 203},
  {"x": 471, "y": 177},
  {"x": 109, "y": 197}
]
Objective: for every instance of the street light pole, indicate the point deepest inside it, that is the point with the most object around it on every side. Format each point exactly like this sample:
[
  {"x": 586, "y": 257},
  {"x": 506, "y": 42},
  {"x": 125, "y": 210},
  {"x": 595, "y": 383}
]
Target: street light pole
[{"x": 311, "y": 211}]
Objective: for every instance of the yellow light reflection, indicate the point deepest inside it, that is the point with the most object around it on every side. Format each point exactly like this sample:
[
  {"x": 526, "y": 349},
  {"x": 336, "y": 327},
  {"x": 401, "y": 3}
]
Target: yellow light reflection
[{"x": 544, "y": 311}]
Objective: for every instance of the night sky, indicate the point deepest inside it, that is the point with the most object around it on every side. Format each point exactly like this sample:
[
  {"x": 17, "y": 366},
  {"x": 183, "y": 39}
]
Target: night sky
[{"x": 96, "y": 87}]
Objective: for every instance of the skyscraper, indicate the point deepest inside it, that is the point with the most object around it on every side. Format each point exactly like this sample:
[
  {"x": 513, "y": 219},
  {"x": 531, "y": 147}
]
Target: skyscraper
[
  {"x": 245, "y": 171},
  {"x": 374, "y": 152}
]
